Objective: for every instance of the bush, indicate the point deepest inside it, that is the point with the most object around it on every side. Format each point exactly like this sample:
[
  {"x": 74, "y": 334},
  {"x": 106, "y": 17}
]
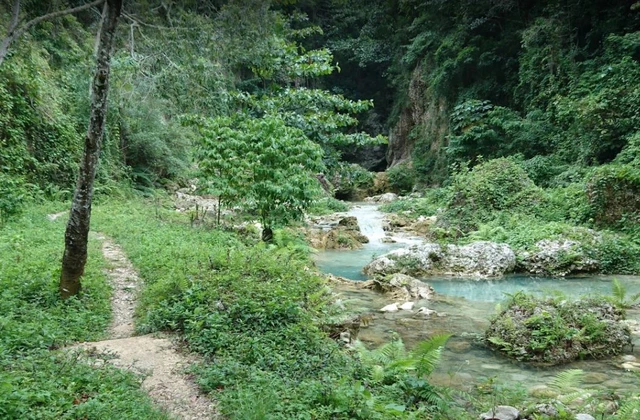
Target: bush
[
  {"x": 349, "y": 180},
  {"x": 401, "y": 178},
  {"x": 495, "y": 185},
  {"x": 554, "y": 330},
  {"x": 613, "y": 192}
]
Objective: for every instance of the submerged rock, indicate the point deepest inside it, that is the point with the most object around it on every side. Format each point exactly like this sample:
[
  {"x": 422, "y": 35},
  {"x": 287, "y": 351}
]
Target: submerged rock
[
  {"x": 478, "y": 259},
  {"x": 557, "y": 258}
]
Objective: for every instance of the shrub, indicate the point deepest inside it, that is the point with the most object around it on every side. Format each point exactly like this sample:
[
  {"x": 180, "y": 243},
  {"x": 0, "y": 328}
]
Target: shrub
[
  {"x": 554, "y": 330},
  {"x": 499, "y": 184},
  {"x": 401, "y": 178},
  {"x": 348, "y": 178},
  {"x": 613, "y": 192}
]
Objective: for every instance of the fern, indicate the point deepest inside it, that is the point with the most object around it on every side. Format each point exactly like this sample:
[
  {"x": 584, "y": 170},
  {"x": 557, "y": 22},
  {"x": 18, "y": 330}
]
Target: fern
[
  {"x": 426, "y": 355},
  {"x": 567, "y": 380},
  {"x": 629, "y": 410},
  {"x": 619, "y": 294}
]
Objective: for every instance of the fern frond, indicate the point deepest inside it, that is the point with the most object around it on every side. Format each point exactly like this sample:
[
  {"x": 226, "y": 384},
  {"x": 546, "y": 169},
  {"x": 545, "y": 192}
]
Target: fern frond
[
  {"x": 618, "y": 291},
  {"x": 629, "y": 410},
  {"x": 566, "y": 380},
  {"x": 426, "y": 354}
]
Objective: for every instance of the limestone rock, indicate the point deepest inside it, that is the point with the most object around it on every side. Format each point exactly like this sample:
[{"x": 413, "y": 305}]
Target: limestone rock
[
  {"x": 390, "y": 308},
  {"x": 426, "y": 311},
  {"x": 501, "y": 412},
  {"x": 407, "y": 306},
  {"x": 557, "y": 258},
  {"x": 336, "y": 232},
  {"x": 382, "y": 198},
  {"x": 583, "y": 416},
  {"x": 478, "y": 259}
]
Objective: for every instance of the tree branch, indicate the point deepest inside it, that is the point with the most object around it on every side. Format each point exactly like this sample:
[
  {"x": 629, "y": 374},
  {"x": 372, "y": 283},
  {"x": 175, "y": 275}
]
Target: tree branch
[{"x": 14, "y": 32}]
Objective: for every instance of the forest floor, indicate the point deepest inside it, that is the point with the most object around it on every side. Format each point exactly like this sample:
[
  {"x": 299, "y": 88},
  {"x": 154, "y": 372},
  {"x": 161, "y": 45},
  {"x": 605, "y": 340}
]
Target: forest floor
[{"x": 161, "y": 360}]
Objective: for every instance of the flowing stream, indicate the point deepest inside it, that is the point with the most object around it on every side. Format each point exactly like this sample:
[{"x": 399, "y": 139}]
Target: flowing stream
[{"x": 465, "y": 307}]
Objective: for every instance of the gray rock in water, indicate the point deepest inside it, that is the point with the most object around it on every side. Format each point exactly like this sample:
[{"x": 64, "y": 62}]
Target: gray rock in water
[
  {"x": 501, "y": 412},
  {"x": 478, "y": 259},
  {"x": 383, "y": 198},
  {"x": 583, "y": 416},
  {"x": 557, "y": 258}
]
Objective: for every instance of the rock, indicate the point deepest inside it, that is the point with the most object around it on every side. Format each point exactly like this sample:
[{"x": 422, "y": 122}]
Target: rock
[
  {"x": 388, "y": 240},
  {"x": 501, "y": 412},
  {"x": 390, "y": 308},
  {"x": 383, "y": 198},
  {"x": 426, "y": 311},
  {"x": 629, "y": 358},
  {"x": 557, "y": 258},
  {"x": 458, "y": 346},
  {"x": 422, "y": 225},
  {"x": 541, "y": 391},
  {"x": 399, "y": 287},
  {"x": 478, "y": 259},
  {"x": 349, "y": 222},
  {"x": 340, "y": 232},
  {"x": 594, "y": 378},
  {"x": 407, "y": 306},
  {"x": 583, "y": 416},
  {"x": 380, "y": 183},
  {"x": 345, "y": 337},
  {"x": 631, "y": 366},
  {"x": 546, "y": 409}
]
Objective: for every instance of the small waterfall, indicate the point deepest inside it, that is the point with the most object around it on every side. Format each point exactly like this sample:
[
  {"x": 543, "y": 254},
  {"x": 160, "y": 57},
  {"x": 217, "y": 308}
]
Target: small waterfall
[{"x": 369, "y": 221}]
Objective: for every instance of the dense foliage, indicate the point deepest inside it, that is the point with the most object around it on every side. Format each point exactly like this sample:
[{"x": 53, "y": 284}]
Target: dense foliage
[{"x": 555, "y": 330}]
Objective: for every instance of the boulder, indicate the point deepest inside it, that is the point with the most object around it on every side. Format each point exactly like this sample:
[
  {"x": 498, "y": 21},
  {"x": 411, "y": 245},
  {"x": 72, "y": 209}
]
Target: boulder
[
  {"x": 583, "y": 416},
  {"x": 478, "y": 259},
  {"x": 336, "y": 233},
  {"x": 410, "y": 287},
  {"x": 501, "y": 412},
  {"x": 382, "y": 198},
  {"x": 557, "y": 258}
]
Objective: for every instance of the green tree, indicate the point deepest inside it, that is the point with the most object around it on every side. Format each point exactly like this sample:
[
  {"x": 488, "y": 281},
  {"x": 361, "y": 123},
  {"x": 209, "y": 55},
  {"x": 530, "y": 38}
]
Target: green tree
[{"x": 262, "y": 163}]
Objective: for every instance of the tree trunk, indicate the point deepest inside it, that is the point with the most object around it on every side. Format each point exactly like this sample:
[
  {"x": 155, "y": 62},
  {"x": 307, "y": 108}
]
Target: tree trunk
[{"x": 77, "y": 233}]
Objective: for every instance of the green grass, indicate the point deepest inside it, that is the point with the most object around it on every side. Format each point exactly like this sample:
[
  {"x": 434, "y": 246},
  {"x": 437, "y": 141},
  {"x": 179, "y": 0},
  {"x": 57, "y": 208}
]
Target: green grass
[{"x": 38, "y": 381}]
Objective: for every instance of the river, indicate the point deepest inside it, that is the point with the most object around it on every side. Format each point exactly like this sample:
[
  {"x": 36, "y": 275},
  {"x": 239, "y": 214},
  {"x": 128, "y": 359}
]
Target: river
[{"x": 465, "y": 307}]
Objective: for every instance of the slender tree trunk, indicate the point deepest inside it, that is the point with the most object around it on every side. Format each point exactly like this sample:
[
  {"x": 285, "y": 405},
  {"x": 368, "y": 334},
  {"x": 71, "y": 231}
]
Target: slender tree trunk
[{"x": 77, "y": 233}]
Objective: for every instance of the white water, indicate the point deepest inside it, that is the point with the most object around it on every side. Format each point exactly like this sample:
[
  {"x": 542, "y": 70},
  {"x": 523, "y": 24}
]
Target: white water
[{"x": 370, "y": 221}]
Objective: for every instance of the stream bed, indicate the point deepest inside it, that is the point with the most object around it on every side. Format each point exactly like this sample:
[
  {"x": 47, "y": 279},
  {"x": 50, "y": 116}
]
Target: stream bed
[{"x": 464, "y": 307}]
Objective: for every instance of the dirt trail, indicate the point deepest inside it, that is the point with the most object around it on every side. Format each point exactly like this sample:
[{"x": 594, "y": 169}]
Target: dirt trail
[{"x": 158, "y": 358}]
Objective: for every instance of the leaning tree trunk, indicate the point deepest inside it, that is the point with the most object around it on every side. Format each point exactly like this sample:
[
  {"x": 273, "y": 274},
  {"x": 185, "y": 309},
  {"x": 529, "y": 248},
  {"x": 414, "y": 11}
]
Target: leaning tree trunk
[{"x": 77, "y": 233}]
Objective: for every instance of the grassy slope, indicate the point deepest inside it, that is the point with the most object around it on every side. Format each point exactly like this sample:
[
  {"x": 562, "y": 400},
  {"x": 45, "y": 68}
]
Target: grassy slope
[{"x": 36, "y": 382}]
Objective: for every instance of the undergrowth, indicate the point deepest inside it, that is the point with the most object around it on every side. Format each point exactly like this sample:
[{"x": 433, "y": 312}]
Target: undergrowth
[{"x": 37, "y": 381}]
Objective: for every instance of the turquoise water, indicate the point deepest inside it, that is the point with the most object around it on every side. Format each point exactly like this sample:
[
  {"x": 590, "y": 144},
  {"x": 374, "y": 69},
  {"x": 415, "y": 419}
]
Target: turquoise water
[{"x": 495, "y": 290}]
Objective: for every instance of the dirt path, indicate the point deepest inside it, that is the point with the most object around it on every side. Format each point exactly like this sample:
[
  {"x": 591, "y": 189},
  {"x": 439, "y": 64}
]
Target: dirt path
[{"x": 159, "y": 358}]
